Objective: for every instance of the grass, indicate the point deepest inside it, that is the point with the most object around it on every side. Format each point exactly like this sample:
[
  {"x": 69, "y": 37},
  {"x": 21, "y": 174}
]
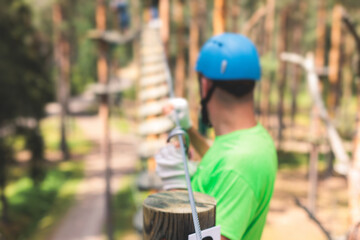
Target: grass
[
  {"x": 126, "y": 203},
  {"x": 77, "y": 142},
  {"x": 34, "y": 209}
]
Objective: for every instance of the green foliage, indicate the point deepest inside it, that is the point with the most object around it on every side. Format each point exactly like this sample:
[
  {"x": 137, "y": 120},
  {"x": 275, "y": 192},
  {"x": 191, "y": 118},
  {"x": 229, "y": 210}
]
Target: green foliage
[
  {"x": 124, "y": 217},
  {"x": 84, "y": 51},
  {"x": 269, "y": 64},
  {"x": 25, "y": 85},
  {"x": 77, "y": 142},
  {"x": 293, "y": 160},
  {"x": 126, "y": 203},
  {"x": 28, "y": 205}
]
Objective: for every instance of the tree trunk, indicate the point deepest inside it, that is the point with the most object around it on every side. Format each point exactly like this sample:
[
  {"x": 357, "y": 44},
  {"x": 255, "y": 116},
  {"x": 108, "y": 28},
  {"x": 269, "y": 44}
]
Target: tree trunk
[
  {"x": 269, "y": 25},
  {"x": 268, "y": 48},
  {"x": 193, "y": 54},
  {"x": 202, "y": 18},
  {"x": 219, "y": 17},
  {"x": 103, "y": 71},
  {"x": 180, "y": 56},
  {"x": 4, "y": 203},
  {"x": 235, "y": 13},
  {"x": 5, "y": 156},
  {"x": 295, "y": 70},
  {"x": 354, "y": 176},
  {"x": 282, "y": 46},
  {"x": 62, "y": 62},
  {"x": 320, "y": 34},
  {"x": 35, "y": 144},
  {"x": 253, "y": 21},
  {"x": 334, "y": 59}
]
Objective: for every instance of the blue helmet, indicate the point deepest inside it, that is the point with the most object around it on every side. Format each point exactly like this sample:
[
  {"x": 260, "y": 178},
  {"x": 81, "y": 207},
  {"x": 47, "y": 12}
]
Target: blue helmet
[{"x": 229, "y": 56}]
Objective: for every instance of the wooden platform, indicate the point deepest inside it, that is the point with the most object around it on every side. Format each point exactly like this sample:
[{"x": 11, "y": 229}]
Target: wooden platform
[{"x": 113, "y": 37}]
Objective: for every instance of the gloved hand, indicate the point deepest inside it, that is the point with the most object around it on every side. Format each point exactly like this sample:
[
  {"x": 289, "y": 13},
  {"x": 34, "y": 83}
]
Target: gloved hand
[
  {"x": 170, "y": 167},
  {"x": 181, "y": 106}
]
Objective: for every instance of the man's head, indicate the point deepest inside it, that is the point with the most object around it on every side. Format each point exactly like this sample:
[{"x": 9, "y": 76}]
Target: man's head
[{"x": 228, "y": 67}]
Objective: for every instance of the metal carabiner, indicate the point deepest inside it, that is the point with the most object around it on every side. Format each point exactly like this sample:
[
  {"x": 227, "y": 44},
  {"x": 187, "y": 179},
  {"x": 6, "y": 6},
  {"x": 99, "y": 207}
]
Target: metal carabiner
[{"x": 178, "y": 131}]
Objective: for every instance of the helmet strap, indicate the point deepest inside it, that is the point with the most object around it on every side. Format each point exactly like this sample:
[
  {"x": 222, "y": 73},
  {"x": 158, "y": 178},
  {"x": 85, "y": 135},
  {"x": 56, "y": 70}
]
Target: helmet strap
[{"x": 204, "y": 112}]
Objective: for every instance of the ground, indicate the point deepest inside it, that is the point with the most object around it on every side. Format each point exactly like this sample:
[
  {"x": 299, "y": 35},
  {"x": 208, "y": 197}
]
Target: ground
[
  {"x": 286, "y": 220},
  {"x": 85, "y": 220}
]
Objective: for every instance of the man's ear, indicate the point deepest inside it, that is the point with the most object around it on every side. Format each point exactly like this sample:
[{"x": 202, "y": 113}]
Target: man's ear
[{"x": 205, "y": 86}]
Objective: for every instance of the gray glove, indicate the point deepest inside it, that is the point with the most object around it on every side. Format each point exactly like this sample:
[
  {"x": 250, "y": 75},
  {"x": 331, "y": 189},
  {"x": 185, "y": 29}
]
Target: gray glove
[
  {"x": 181, "y": 106},
  {"x": 170, "y": 167}
]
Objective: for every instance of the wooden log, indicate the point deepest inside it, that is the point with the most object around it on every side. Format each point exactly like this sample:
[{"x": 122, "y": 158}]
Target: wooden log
[{"x": 167, "y": 215}]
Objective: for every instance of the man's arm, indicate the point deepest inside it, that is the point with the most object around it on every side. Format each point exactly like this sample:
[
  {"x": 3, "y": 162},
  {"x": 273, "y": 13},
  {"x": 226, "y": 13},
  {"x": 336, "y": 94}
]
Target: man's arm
[
  {"x": 198, "y": 141},
  {"x": 224, "y": 238},
  {"x": 181, "y": 106}
]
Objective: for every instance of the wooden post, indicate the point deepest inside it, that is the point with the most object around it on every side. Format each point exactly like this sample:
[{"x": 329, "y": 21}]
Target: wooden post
[
  {"x": 167, "y": 215},
  {"x": 102, "y": 69},
  {"x": 334, "y": 59},
  {"x": 180, "y": 56},
  {"x": 219, "y": 17}
]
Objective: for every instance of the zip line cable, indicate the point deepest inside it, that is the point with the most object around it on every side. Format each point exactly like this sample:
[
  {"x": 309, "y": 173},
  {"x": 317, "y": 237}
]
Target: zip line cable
[{"x": 183, "y": 152}]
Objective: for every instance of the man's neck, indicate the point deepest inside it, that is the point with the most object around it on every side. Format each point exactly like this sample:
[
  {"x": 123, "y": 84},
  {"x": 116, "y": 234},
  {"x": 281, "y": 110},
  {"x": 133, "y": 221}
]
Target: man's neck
[{"x": 229, "y": 119}]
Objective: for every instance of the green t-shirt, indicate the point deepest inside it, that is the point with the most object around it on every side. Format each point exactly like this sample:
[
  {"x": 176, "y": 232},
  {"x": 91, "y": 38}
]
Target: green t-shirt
[{"x": 239, "y": 171}]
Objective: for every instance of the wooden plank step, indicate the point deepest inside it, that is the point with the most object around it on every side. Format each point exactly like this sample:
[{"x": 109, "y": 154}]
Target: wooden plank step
[
  {"x": 149, "y": 148},
  {"x": 155, "y": 126},
  {"x": 154, "y": 58},
  {"x": 154, "y": 93},
  {"x": 113, "y": 37},
  {"x": 152, "y": 69},
  {"x": 151, "y": 109},
  {"x": 151, "y": 49},
  {"x": 148, "y": 181},
  {"x": 152, "y": 80}
]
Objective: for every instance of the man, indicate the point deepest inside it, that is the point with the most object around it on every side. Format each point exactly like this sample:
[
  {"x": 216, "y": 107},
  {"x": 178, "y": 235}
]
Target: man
[{"x": 239, "y": 169}]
